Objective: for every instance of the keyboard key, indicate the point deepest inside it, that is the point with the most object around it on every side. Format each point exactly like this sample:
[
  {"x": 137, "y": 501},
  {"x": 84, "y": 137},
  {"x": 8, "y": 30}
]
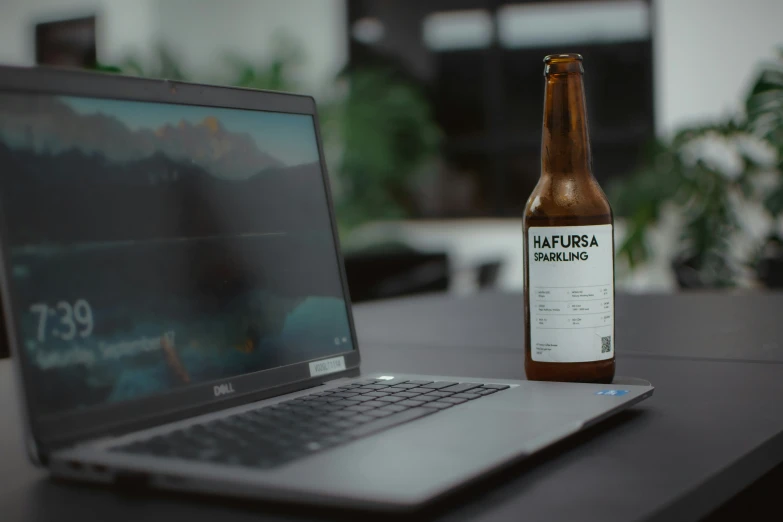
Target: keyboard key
[
  {"x": 469, "y": 396},
  {"x": 385, "y": 423},
  {"x": 378, "y": 413},
  {"x": 488, "y": 391},
  {"x": 419, "y": 383},
  {"x": 375, "y": 404},
  {"x": 427, "y": 398},
  {"x": 332, "y": 399},
  {"x": 344, "y": 413},
  {"x": 362, "y": 398},
  {"x": 404, "y": 386},
  {"x": 496, "y": 386},
  {"x": 358, "y": 408},
  {"x": 377, "y": 394},
  {"x": 411, "y": 403},
  {"x": 452, "y": 400},
  {"x": 306, "y": 413},
  {"x": 377, "y": 386},
  {"x": 463, "y": 387},
  {"x": 394, "y": 408},
  {"x": 295, "y": 407},
  {"x": 440, "y": 394},
  {"x": 346, "y": 402},
  {"x": 438, "y": 385},
  {"x": 406, "y": 394},
  {"x": 303, "y": 405},
  {"x": 343, "y": 395},
  {"x": 391, "y": 398},
  {"x": 438, "y": 405}
]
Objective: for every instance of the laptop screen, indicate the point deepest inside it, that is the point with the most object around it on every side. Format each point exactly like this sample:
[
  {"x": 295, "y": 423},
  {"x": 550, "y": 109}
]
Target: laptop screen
[{"x": 158, "y": 246}]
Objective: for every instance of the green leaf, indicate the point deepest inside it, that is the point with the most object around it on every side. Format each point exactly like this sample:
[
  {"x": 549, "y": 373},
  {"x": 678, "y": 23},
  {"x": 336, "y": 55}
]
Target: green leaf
[
  {"x": 701, "y": 192},
  {"x": 169, "y": 68},
  {"x": 774, "y": 201},
  {"x": 101, "y": 67},
  {"x": 764, "y": 104},
  {"x": 634, "y": 247},
  {"x": 387, "y": 133}
]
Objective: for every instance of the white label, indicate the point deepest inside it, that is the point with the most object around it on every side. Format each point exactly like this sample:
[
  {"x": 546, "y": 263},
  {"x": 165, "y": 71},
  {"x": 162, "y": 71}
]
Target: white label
[
  {"x": 571, "y": 286},
  {"x": 325, "y": 366}
]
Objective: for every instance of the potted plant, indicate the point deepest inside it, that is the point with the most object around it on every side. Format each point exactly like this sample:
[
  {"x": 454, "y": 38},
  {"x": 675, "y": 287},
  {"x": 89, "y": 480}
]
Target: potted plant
[{"x": 725, "y": 182}]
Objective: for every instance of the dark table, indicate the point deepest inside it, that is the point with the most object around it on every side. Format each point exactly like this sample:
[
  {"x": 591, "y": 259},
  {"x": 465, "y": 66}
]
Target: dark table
[{"x": 713, "y": 427}]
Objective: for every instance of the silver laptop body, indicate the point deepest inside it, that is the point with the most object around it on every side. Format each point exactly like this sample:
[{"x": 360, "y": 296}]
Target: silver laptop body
[{"x": 171, "y": 277}]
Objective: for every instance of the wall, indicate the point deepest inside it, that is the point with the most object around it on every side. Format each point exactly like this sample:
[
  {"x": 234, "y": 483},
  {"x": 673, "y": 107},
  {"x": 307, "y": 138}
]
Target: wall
[
  {"x": 123, "y": 26},
  {"x": 203, "y": 32},
  {"x": 705, "y": 52},
  {"x": 705, "y": 55}
]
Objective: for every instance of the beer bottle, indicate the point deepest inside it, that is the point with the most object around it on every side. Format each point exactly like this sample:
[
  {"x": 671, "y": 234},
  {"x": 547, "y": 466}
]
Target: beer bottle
[{"x": 569, "y": 245}]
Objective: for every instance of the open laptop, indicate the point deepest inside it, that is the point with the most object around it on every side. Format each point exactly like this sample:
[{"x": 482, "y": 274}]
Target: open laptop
[{"x": 176, "y": 305}]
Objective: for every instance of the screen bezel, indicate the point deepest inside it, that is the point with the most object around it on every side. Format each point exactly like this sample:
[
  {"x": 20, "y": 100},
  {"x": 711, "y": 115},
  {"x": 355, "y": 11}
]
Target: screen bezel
[{"x": 46, "y": 434}]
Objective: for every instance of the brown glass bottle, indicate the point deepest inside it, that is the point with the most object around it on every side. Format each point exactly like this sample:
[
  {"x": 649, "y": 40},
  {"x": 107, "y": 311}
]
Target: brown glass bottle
[{"x": 569, "y": 283}]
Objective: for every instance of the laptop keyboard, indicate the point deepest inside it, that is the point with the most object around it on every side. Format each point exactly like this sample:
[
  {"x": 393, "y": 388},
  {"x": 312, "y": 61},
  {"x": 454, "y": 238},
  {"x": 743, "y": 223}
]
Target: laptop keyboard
[{"x": 277, "y": 434}]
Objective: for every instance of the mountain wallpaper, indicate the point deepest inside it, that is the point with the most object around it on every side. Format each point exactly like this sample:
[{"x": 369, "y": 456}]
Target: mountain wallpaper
[{"x": 157, "y": 246}]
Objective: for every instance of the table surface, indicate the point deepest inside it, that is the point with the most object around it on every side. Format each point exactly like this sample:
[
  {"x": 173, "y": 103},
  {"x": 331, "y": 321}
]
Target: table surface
[{"x": 713, "y": 426}]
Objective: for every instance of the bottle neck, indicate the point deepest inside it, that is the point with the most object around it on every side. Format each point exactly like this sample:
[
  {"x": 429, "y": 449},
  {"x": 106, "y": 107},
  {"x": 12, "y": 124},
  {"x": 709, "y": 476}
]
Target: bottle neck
[{"x": 565, "y": 144}]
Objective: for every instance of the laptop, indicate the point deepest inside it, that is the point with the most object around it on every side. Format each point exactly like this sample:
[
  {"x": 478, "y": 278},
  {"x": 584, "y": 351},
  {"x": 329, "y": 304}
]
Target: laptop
[{"x": 176, "y": 306}]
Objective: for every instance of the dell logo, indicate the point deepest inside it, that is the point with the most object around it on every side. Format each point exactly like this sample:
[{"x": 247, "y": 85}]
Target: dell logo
[{"x": 223, "y": 389}]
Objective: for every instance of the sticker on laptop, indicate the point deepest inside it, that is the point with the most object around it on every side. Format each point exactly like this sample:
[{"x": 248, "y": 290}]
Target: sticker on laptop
[
  {"x": 616, "y": 393},
  {"x": 327, "y": 366}
]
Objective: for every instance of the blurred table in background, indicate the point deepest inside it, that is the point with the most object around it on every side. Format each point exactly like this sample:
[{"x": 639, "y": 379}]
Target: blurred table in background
[
  {"x": 468, "y": 244},
  {"x": 488, "y": 253}
]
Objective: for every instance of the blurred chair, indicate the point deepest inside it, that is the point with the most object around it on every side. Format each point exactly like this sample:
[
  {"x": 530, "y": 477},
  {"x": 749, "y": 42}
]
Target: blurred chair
[
  {"x": 4, "y": 351},
  {"x": 770, "y": 263},
  {"x": 487, "y": 276}
]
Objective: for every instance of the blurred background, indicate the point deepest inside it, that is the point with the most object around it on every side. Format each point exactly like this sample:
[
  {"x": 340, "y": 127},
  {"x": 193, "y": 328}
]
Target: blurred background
[{"x": 431, "y": 115}]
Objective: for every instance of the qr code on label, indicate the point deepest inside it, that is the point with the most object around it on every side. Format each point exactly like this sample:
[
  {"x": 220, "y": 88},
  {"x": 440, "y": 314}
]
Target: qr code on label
[{"x": 606, "y": 344}]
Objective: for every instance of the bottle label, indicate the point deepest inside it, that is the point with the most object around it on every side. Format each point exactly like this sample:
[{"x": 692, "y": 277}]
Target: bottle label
[{"x": 571, "y": 289}]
